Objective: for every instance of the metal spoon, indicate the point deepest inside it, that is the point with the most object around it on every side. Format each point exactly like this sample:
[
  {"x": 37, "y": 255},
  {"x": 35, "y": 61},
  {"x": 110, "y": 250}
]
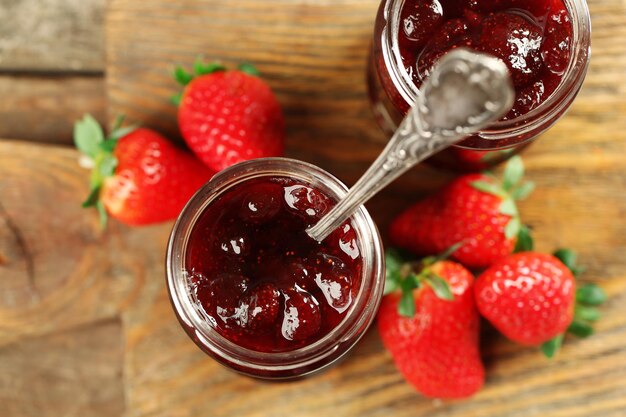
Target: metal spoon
[{"x": 465, "y": 92}]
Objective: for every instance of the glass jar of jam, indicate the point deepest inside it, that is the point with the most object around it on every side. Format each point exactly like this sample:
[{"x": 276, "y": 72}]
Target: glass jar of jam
[
  {"x": 253, "y": 290},
  {"x": 544, "y": 43}
]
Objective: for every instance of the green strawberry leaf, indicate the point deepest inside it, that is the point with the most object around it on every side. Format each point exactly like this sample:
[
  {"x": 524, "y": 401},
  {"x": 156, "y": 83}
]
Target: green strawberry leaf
[
  {"x": 525, "y": 241},
  {"x": 176, "y": 99},
  {"x": 568, "y": 257},
  {"x": 182, "y": 76},
  {"x": 200, "y": 68},
  {"x": 523, "y": 190},
  {"x": 107, "y": 165},
  {"x": 444, "y": 255},
  {"x": 87, "y": 136},
  {"x": 440, "y": 287},
  {"x": 102, "y": 214},
  {"x": 590, "y": 294},
  {"x": 513, "y": 173},
  {"x": 393, "y": 260},
  {"x": 92, "y": 198},
  {"x": 406, "y": 306},
  {"x": 580, "y": 329},
  {"x": 550, "y": 347},
  {"x": 508, "y": 207},
  {"x": 249, "y": 69},
  {"x": 108, "y": 145},
  {"x": 119, "y": 121},
  {"x": 393, "y": 270},
  {"x": 489, "y": 188},
  {"x": 586, "y": 313},
  {"x": 392, "y": 281},
  {"x": 120, "y": 133},
  {"x": 512, "y": 228}
]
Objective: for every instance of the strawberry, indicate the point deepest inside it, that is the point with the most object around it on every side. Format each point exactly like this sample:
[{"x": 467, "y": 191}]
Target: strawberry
[
  {"x": 229, "y": 116},
  {"x": 302, "y": 316},
  {"x": 516, "y": 41},
  {"x": 262, "y": 307},
  {"x": 475, "y": 209},
  {"x": 531, "y": 298},
  {"x": 431, "y": 327},
  {"x": 139, "y": 177}
]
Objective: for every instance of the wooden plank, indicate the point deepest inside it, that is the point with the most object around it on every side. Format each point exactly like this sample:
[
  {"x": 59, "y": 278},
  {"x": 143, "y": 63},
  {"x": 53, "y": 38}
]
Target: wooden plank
[
  {"x": 72, "y": 374},
  {"x": 52, "y": 35},
  {"x": 43, "y": 108},
  {"x": 313, "y": 54},
  {"x": 57, "y": 268}
]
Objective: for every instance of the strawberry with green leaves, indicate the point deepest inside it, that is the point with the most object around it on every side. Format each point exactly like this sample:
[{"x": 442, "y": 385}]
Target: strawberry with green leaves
[
  {"x": 478, "y": 210},
  {"x": 138, "y": 176},
  {"x": 429, "y": 323},
  {"x": 532, "y": 299},
  {"x": 229, "y": 116}
]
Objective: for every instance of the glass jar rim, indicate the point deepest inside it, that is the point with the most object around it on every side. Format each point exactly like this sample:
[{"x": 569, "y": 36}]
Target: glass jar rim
[
  {"x": 556, "y": 103},
  {"x": 370, "y": 245}
]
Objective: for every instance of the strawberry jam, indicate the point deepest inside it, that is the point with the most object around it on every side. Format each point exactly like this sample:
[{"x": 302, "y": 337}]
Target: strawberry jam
[
  {"x": 544, "y": 43},
  {"x": 532, "y": 37},
  {"x": 261, "y": 281}
]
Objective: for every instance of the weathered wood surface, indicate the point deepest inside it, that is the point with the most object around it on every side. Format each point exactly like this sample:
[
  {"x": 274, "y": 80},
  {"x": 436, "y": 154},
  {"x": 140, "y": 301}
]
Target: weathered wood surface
[
  {"x": 72, "y": 295},
  {"x": 62, "y": 281},
  {"x": 44, "y": 108},
  {"x": 51, "y": 67},
  {"x": 313, "y": 54},
  {"x": 52, "y": 35}
]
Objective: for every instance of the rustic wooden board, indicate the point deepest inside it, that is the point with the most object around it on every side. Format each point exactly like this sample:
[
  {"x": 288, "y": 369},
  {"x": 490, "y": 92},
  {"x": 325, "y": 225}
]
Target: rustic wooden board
[
  {"x": 51, "y": 67},
  {"x": 313, "y": 53},
  {"x": 43, "y": 108},
  {"x": 52, "y": 35},
  {"x": 64, "y": 319},
  {"x": 71, "y": 374}
]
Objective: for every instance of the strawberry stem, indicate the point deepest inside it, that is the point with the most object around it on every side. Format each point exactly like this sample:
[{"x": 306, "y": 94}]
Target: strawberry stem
[
  {"x": 406, "y": 276},
  {"x": 90, "y": 140}
]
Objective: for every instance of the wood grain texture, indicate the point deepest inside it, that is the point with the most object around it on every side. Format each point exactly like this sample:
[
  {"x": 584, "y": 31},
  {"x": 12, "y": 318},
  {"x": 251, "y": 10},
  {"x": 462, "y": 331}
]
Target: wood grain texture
[
  {"x": 82, "y": 277},
  {"x": 44, "y": 108},
  {"x": 70, "y": 374},
  {"x": 57, "y": 269},
  {"x": 52, "y": 35},
  {"x": 313, "y": 54},
  {"x": 51, "y": 67}
]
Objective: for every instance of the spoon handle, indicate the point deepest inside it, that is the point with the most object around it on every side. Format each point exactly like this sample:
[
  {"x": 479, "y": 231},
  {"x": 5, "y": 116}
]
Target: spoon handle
[{"x": 465, "y": 92}]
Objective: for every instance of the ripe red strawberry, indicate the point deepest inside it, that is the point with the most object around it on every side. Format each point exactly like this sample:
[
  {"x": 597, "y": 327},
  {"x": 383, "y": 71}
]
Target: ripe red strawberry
[
  {"x": 531, "y": 298},
  {"x": 229, "y": 116},
  {"x": 476, "y": 210},
  {"x": 431, "y": 328},
  {"x": 139, "y": 177}
]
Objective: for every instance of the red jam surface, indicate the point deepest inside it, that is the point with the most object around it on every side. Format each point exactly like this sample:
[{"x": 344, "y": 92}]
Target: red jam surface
[
  {"x": 262, "y": 281},
  {"x": 533, "y": 38}
]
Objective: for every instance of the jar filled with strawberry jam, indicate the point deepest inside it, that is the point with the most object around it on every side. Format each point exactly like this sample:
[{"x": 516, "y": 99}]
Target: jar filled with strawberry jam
[
  {"x": 544, "y": 43},
  {"x": 253, "y": 290}
]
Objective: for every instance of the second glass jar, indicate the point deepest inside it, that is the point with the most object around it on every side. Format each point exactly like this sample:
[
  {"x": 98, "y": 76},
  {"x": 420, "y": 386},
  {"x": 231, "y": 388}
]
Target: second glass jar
[{"x": 393, "y": 91}]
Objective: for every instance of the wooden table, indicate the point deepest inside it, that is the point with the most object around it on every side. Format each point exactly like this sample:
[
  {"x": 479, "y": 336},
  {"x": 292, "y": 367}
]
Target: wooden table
[{"x": 85, "y": 325}]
